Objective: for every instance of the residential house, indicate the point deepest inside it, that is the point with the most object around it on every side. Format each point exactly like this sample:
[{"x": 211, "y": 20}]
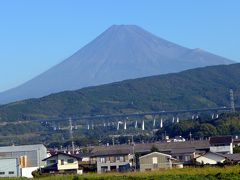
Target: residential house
[
  {"x": 184, "y": 155},
  {"x": 155, "y": 160},
  {"x": 221, "y": 144},
  {"x": 61, "y": 163},
  {"x": 184, "y": 151},
  {"x": 111, "y": 158}
]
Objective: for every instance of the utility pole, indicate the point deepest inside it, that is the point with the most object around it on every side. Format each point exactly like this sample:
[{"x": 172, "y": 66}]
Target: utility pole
[
  {"x": 71, "y": 134},
  {"x": 232, "y": 101},
  {"x": 190, "y": 136},
  {"x": 134, "y": 162},
  {"x": 113, "y": 141}
]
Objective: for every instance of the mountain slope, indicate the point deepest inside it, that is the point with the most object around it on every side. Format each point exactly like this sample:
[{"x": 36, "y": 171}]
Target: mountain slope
[
  {"x": 121, "y": 52},
  {"x": 197, "y": 88}
]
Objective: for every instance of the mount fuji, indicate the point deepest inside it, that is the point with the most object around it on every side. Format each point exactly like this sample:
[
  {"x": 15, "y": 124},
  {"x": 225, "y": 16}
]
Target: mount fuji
[{"x": 121, "y": 52}]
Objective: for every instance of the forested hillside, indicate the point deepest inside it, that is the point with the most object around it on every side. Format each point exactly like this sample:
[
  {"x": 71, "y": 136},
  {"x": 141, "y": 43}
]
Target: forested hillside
[{"x": 197, "y": 88}]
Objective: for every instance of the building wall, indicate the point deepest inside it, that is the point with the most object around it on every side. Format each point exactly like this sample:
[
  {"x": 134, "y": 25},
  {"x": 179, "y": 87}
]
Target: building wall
[
  {"x": 108, "y": 163},
  {"x": 108, "y": 166},
  {"x": 9, "y": 167},
  {"x": 121, "y": 158},
  {"x": 27, "y": 172},
  {"x": 52, "y": 160},
  {"x": 154, "y": 161},
  {"x": 222, "y": 149},
  {"x": 185, "y": 158},
  {"x": 35, "y": 154}
]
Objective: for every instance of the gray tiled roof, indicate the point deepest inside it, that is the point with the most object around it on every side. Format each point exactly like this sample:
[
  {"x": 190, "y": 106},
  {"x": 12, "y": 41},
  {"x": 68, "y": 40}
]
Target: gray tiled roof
[
  {"x": 112, "y": 150},
  {"x": 180, "y": 147},
  {"x": 233, "y": 157},
  {"x": 21, "y": 148},
  {"x": 183, "y": 150}
]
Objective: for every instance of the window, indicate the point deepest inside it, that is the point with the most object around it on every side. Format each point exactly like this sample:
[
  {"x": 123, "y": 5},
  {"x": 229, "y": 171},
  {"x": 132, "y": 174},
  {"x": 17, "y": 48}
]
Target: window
[
  {"x": 154, "y": 160},
  {"x": 121, "y": 159},
  {"x": 62, "y": 161},
  {"x": 51, "y": 161},
  {"x": 102, "y": 160},
  {"x": 104, "y": 169},
  {"x": 70, "y": 160},
  {"x": 11, "y": 172},
  {"x": 187, "y": 158},
  {"x": 2, "y": 173}
]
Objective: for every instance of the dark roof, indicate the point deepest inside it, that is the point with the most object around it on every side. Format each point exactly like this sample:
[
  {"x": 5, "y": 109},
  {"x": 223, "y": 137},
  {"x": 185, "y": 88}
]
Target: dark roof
[
  {"x": 111, "y": 150},
  {"x": 221, "y": 139},
  {"x": 169, "y": 146},
  {"x": 166, "y": 147},
  {"x": 81, "y": 155},
  {"x": 70, "y": 155},
  {"x": 183, "y": 150}
]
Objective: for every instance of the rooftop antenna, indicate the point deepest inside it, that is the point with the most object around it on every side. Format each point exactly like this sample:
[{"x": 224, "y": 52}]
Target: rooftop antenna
[
  {"x": 232, "y": 101},
  {"x": 71, "y": 133}
]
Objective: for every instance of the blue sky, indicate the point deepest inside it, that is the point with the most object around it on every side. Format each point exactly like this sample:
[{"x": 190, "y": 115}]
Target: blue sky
[{"x": 37, "y": 34}]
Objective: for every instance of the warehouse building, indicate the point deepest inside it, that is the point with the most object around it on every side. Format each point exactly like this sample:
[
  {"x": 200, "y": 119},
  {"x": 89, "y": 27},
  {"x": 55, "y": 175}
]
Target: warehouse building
[{"x": 29, "y": 158}]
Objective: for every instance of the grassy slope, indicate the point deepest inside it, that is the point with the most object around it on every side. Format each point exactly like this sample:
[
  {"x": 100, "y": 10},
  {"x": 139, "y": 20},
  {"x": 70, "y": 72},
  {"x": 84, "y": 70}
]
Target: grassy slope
[{"x": 202, "y": 87}]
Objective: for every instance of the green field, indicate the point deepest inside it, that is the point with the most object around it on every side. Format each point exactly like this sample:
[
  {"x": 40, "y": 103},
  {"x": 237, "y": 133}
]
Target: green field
[{"x": 227, "y": 172}]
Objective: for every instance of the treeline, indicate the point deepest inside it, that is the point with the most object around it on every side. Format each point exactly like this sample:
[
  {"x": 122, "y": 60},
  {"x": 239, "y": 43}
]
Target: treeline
[{"x": 225, "y": 124}]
